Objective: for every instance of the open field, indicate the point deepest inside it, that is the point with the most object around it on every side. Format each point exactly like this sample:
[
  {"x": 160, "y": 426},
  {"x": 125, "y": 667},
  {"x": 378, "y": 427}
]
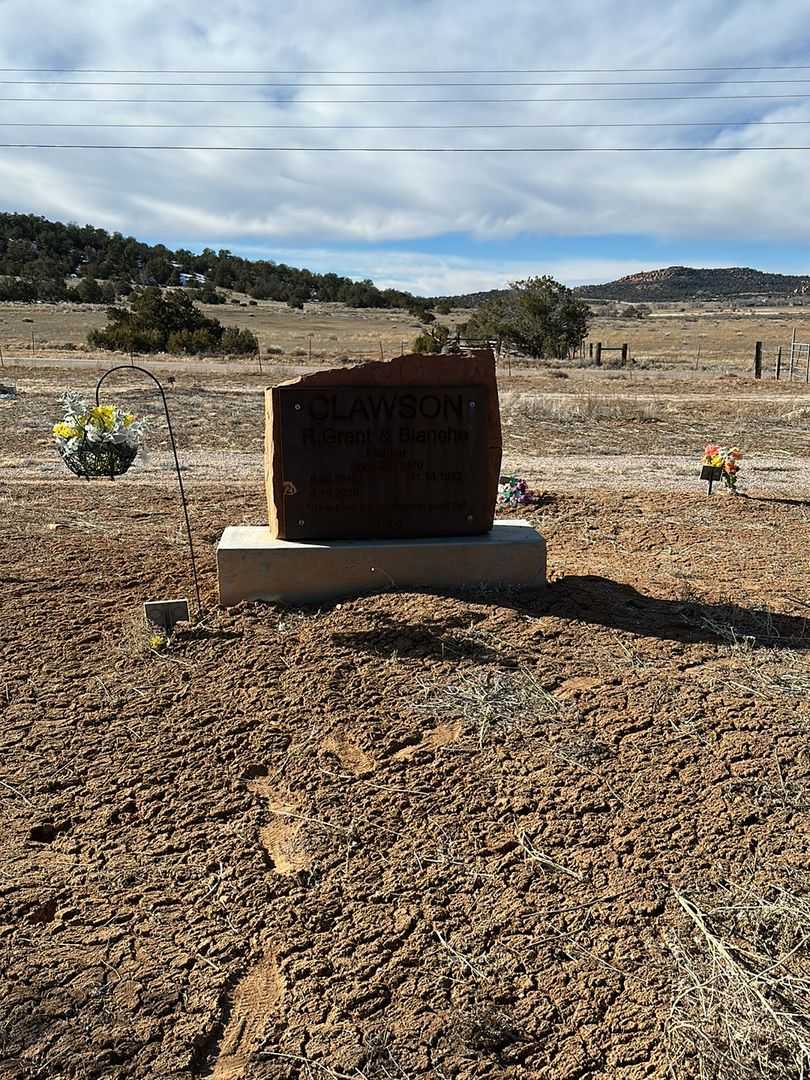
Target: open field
[
  {"x": 557, "y": 835},
  {"x": 334, "y": 329},
  {"x": 717, "y": 339}
]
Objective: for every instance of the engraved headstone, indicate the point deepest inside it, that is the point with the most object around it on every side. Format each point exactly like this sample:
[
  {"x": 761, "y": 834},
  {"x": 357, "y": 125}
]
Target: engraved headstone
[{"x": 409, "y": 447}]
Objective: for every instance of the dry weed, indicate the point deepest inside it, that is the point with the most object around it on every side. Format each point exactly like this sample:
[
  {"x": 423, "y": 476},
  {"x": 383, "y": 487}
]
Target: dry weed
[
  {"x": 791, "y": 678},
  {"x": 486, "y": 700},
  {"x": 139, "y": 638},
  {"x": 576, "y": 407},
  {"x": 741, "y": 1002},
  {"x": 740, "y": 629}
]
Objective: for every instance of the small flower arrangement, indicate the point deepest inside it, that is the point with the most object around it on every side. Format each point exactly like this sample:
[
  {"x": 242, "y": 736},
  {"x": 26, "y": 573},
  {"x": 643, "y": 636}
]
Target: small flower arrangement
[
  {"x": 725, "y": 459},
  {"x": 512, "y": 492},
  {"x": 98, "y": 440}
]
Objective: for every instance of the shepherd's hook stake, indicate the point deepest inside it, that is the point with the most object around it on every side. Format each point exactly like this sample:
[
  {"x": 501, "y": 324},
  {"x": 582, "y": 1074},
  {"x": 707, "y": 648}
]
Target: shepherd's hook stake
[{"x": 156, "y": 381}]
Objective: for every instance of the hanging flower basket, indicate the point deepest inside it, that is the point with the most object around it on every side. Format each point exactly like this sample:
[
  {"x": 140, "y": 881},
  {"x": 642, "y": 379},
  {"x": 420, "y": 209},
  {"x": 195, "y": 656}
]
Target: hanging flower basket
[
  {"x": 97, "y": 441},
  {"x": 98, "y": 459}
]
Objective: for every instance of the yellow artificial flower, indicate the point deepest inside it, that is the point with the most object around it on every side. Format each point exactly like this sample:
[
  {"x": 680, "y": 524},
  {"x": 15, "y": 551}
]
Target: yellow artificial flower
[
  {"x": 65, "y": 431},
  {"x": 128, "y": 419},
  {"x": 103, "y": 416}
]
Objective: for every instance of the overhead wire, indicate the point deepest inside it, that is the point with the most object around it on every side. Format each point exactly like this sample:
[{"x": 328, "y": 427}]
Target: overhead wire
[
  {"x": 292, "y": 100},
  {"x": 398, "y": 71},
  {"x": 410, "y": 149},
  {"x": 399, "y": 85},
  {"x": 404, "y": 101},
  {"x": 414, "y": 127}
]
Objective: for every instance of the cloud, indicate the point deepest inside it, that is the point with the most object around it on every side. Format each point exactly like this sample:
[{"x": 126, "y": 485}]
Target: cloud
[
  {"x": 444, "y": 275},
  {"x": 316, "y": 199}
]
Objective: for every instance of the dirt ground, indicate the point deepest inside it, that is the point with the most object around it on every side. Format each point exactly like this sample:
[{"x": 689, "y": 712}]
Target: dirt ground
[{"x": 483, "y": 835}]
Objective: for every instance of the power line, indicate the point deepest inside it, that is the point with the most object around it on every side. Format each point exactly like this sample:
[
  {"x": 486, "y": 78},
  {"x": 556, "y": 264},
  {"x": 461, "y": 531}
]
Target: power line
[
  {"x": 419, "y": 127},
  {"x": 400, "y": 71},
  {"x": 399, "y": 85},
  {"x": 403, "y": 101},
  {"x": 410, "y": 149}
]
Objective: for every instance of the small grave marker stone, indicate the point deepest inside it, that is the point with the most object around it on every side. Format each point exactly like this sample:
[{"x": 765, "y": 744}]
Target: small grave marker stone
[{"x": 165, "y": 613}]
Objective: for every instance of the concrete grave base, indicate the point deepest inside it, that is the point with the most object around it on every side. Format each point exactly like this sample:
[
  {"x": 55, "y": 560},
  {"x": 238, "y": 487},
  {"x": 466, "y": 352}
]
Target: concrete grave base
[{"x": 254, "y": 566}]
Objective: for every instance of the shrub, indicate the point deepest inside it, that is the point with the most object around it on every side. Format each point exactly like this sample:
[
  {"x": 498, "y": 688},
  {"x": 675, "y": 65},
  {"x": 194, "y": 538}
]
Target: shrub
[
  {"x": 426, "y": 343},
  {"x": 156, "y": 323},
  {"x": 236, "y": 341},
  {"x": 538, "y": 316}
]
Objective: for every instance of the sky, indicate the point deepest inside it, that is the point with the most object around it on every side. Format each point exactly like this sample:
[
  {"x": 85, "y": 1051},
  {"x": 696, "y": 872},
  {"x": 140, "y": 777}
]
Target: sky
[{"x": 365, "y": 76}]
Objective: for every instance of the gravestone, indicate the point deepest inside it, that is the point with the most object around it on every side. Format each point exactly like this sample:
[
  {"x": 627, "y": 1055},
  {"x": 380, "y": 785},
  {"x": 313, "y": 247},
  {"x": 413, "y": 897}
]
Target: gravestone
[
  {"x": 407, "y": 448},
  {"x": 381, "y": 475}
]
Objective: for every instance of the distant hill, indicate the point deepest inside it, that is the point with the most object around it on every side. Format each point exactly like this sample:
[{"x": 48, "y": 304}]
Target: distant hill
[
  {"x": 688, "y": 283},
  {"x": 38, "y": 257},
  {"x": 674, "y": 283},
  {"x": 470, "y": 300}
]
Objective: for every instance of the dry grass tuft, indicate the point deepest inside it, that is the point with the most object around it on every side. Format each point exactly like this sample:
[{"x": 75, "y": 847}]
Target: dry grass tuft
[
  {"x": 486, "y": 700},
  {"x": 741, "y": 1005},
  {"x": 138, "y": 638},
  {"x": 782, "y": 673},
  {"x": 740, "y": 629},
  {"x": 571, "y": 408}
]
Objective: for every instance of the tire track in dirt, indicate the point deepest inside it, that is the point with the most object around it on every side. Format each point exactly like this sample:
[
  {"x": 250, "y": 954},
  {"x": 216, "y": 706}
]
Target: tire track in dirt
[{"x": 255, "y": 999}]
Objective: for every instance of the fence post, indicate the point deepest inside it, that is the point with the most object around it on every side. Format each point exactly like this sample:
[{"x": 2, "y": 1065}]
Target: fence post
[
  {"x": 807, "y": 370},
  {"x": 758, "y": 360},
  {"x": 597, "y": 359},
  {"x": 590, "y": 350},
  {"x": 625, "y": 354},
  {"x": 792, "y": 353},
  {"x": 2, "y": 362},
  {"x": 778, "y": 362}
]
